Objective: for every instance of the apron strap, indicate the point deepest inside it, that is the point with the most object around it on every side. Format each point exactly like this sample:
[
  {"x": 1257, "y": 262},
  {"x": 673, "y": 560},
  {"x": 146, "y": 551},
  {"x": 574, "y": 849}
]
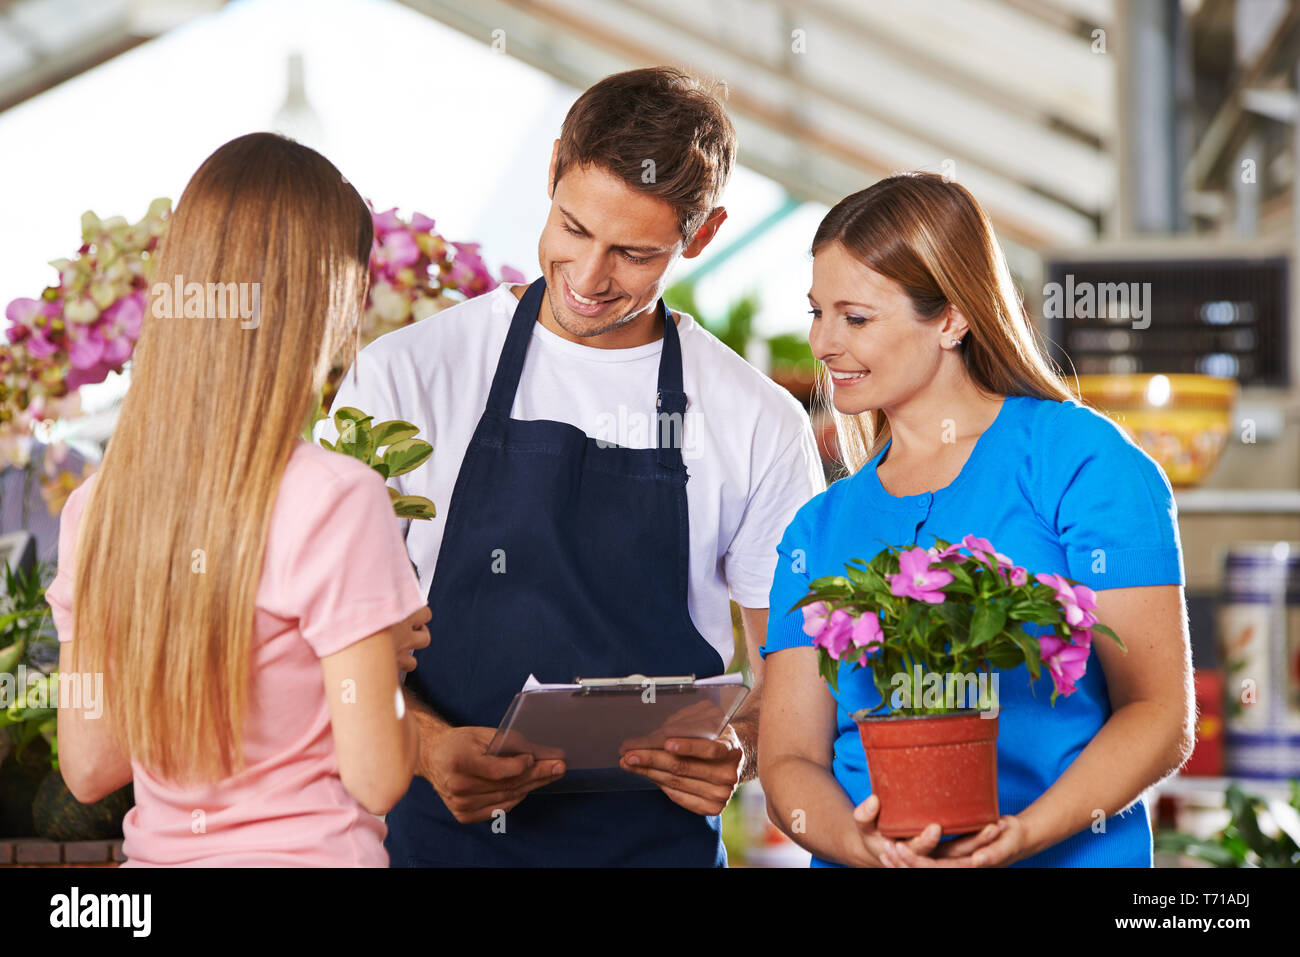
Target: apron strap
[
  {"x": 505, "y": 383},
  {"x": 670, "y": 403},
  {"x": 670, "y": 400}
]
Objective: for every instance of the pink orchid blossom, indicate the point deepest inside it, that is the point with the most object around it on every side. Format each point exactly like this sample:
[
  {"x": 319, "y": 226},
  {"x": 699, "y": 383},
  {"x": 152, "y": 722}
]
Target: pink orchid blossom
[
  {"x": 916, "y": 579},
  {"x": 399, "y": 250},
  {"x": 511, "y": 274},
  {"x": 1077, "y": 601},
  {"x": 27, "y": 327},
  {"x": 1018, "y": 576},
  {"x": 120, "y": 326},
  {"x": 387, "y": 221},
  {"x": 85, "y": 346}
]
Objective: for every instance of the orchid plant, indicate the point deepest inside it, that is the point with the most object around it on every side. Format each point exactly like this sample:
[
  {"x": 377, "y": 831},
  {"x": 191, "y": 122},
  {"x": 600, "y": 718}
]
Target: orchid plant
[
  {"x": 950, "y": 609},
  {"x": 84, "y": 327}
]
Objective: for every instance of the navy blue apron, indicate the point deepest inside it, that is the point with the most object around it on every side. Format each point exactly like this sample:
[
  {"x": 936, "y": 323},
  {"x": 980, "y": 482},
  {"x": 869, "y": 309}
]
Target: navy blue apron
[{"x": 565, "y": 557}]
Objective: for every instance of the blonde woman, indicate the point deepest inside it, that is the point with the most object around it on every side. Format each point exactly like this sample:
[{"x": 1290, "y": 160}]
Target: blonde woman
[
  {"x": 953, "y": 423},
  {"x": 244, "y": 595}
]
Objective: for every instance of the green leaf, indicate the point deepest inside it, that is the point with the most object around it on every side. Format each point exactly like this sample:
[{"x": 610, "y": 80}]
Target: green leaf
[
  {"x": 987, "y": 620},
  {"x": 394, "y": 430},
  {"x": 831, "y": 583},
  {"x": 1005, "y": 658},
  {"x": 10, "y": 656},
  {"x": 355, "y": 438},
  {"x": 829, "y": 669},
  {"x": 413, "y": 506},
  {"x": 1174, "y": 843},
  {"x": 809, "y": 599},
  {"x": 381, "y": 468},
  {"x": 1102, "y": 629},
  {"x": 1030, "y": 649},
  {"x": 1246, "y": 821},
  {"x": 406, "y": 455}
]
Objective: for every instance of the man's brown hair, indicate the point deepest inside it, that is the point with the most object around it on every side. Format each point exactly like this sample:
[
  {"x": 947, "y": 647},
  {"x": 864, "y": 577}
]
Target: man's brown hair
[{"x": 661, "y": 131}]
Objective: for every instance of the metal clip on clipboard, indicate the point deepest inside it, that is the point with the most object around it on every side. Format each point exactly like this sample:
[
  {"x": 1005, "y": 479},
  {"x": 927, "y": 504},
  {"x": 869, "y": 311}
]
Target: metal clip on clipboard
[
  {"x": 589, "y": 724},
  {"x": 636, "y": 683}
]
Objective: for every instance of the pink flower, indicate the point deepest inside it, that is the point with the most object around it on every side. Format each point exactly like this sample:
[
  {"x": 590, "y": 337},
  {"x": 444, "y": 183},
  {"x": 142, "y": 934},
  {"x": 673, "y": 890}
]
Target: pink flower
[
  {"x": 1067, "y": 662},
  {"x": 421, "y": 223},
  {"x": 952, "y": 551},
  {"x": 511, "y": 274},
  {"x": 120, "y": 326},
  {"x": 866, "y": 631},
  {"x": 1018, "y": 576},
  {"x": 399, "y": 249},
  {"x": 837, "y": 634},
  {"x": 983, "y": 550},
  {"x": 1077, "y": 601},
  {"x": 916, "y": 579},
  {"x": 85, "y": 346},
  {"x": 814, "y": 618},
  {"x": 387, "y": 221}
]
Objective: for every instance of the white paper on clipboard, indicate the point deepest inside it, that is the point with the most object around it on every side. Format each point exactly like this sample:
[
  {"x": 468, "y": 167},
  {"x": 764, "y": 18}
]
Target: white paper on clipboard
[{"x": 590, "y": 728}]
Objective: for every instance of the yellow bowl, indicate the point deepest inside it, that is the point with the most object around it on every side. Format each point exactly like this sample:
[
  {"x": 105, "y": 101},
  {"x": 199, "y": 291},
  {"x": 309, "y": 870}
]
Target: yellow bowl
[{"x": 1181, "y": 421}]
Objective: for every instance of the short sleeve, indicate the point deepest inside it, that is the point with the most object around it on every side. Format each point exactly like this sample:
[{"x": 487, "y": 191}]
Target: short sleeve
[
  {"x": 790, "y": 582},
  {"x": 347, "y": 575},
  {"x": 366, "y": 386},
  {"x": 60, "y": 591},
  {"x": 1110, "y": 504},
  {"x": 790, "y": 480}
]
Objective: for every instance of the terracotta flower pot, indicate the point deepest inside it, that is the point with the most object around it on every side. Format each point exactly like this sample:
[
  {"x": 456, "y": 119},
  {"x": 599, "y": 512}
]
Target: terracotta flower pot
[{"x": 930, "y": 769}]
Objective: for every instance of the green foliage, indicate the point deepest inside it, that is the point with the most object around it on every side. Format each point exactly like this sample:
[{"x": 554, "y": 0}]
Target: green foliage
[
  {"x": 735, "y": 329},
  {"x": 1242, "y": 843},
  {"x": 401, "y": 452},
  {"x": 28, "y": 639}
]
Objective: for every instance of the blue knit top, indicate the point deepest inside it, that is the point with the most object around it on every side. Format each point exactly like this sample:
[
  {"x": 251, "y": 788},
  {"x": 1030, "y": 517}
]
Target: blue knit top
[{"x": 1058, "y": 488}]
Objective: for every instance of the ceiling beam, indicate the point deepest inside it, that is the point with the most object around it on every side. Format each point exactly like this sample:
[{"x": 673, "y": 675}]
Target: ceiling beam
[
  {"x": 1227, "y": 129},
  {"x": 931, "y": 134},
  {"x": 541, "y": 19},
  {"x": 901, "y": 49}
]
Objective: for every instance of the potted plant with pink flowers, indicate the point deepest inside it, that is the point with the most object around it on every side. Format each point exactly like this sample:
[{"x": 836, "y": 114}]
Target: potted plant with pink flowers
[{"x": 932, "y": 625}]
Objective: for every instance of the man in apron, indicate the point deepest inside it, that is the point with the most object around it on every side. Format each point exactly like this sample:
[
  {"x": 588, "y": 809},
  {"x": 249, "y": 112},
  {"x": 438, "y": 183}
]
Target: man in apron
[{"x": 606, "y": 475}]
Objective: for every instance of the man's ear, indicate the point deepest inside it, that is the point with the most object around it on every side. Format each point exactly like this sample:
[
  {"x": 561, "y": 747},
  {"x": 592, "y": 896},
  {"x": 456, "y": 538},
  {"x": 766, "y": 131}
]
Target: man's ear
[
  {"x": 550, "y": 172},
  {"x": 704, "y": 235}
]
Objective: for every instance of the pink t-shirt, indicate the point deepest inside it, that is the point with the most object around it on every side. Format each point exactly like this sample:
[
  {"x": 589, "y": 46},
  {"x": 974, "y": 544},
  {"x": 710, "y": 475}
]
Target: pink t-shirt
[{"x": 335, "y": 571}]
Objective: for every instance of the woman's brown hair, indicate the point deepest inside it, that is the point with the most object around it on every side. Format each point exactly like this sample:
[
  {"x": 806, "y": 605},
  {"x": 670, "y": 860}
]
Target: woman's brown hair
[
  {"x": 170, "y": 551},
  {"x": 932, "y": 238}
]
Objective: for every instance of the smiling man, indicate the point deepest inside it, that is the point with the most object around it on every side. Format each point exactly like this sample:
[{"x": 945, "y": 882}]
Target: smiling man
[{"x": 565, "y": 547}]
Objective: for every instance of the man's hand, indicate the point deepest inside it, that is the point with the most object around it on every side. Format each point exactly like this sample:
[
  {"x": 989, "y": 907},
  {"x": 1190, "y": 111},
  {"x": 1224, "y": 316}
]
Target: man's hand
[
  {"x": 473, "y": 784},
  {"x": 697, "y": 773},
  {"x": 409, "y": 636}
]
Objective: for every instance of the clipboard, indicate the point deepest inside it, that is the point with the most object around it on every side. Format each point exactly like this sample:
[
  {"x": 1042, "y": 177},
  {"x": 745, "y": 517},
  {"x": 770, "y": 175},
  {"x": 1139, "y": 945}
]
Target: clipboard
[{"x": 589, "y": 724}]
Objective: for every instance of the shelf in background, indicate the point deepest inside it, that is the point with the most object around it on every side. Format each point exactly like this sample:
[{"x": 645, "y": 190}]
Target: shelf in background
[
  {"x": 1189, "y": 786},
  {"x": 1235, "y": 500}
]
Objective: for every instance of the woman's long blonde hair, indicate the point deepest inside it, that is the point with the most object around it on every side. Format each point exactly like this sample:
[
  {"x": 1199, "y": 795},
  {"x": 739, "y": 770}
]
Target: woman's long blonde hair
[
  {"x": 171, "y": 545},
  {"x": 932, "y": 238}
]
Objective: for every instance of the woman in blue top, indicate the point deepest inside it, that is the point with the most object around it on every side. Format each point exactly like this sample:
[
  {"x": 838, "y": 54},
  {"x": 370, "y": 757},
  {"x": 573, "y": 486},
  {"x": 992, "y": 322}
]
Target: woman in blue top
[{"x": 952, "y": 423}]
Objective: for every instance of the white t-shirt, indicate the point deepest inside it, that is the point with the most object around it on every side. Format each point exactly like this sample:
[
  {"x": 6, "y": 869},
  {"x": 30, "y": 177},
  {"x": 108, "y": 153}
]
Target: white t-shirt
[{"x": 747, "y": 443}]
